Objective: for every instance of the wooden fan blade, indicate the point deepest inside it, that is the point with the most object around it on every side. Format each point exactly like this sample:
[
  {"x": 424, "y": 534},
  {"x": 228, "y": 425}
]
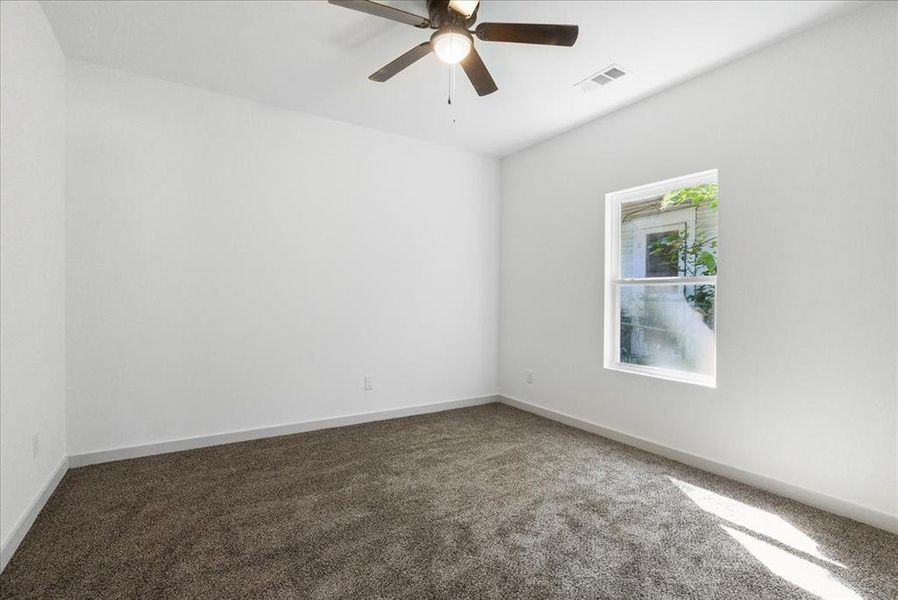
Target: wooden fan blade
[
  {"x": 406, "y": 60},
  {"x": 382, "y": 10},
  {"x": 527, "y": 33},
  {"x": 478, "y": 74}
]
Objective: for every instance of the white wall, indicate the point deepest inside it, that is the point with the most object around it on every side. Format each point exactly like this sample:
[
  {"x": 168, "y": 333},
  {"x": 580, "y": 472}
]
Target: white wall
[
  {"x": 32, "y": 260},
  {"x": 804, "y": 136},
  {"x": 233, "y": 266}
]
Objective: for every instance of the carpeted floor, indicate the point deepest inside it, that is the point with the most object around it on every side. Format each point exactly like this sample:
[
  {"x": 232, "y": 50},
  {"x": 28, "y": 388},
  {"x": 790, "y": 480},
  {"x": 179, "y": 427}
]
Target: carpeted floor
[{"x": 484, "y": 502}]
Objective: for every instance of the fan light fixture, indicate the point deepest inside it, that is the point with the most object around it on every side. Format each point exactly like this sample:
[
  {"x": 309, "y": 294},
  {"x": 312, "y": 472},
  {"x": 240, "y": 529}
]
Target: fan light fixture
[
  {"x": 453, "y": 41},
  {"x": 451, "y": 45}
]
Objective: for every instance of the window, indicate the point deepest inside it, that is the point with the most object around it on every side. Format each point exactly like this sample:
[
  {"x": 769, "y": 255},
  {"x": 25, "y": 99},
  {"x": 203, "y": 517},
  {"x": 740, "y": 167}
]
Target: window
[{"x": 661, "y": 279}]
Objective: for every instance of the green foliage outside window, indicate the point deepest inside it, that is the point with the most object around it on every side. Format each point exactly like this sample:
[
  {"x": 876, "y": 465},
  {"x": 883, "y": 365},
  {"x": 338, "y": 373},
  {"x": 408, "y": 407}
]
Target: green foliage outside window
[{"x": 695, "y": 256}]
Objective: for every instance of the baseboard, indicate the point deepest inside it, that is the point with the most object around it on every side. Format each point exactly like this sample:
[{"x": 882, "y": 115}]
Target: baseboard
[
  {"x": 15, "y": 537},
  {"x": 102, "y": 456},
  {"x": 825, "y": 502}
]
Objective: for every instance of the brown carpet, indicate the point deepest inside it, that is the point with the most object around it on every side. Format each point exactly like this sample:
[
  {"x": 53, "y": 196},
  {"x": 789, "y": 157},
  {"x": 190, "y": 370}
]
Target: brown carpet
[{"x": 485, "y": 502}]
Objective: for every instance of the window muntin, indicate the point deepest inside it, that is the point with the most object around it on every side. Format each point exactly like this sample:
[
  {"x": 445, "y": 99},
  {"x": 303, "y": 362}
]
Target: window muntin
[{"x": 661, "y": 279}]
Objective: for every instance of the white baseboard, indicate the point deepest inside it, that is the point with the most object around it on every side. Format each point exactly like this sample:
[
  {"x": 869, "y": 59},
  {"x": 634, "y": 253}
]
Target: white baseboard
[
  {"x": 102, "y": 456},
  {"x": 15, "y": 537},
  {"x": 831, "y": 504}
]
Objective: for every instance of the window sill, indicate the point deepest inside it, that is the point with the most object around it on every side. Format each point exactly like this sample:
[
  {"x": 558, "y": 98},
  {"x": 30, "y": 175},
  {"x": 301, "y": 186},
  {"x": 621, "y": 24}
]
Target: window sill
[{"x": 709, "y": 381}]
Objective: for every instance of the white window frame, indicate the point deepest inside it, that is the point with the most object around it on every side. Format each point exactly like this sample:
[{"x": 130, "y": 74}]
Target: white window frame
[{"x": 614, "y": 280}]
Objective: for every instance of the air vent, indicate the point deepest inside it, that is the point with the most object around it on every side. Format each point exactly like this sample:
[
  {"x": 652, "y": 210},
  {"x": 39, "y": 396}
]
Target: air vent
[
  {"x": 602, "y": 78},
  {"x": 614, "y": 73}
]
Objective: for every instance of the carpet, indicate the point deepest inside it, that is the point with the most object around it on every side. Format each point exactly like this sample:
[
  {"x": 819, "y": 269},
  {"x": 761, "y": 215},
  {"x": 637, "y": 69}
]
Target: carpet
[{"x": 483, "y": 502}]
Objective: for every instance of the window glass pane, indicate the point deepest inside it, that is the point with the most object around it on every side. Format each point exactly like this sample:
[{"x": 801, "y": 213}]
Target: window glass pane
[
  {"x": 668, "y": 326},
  {"x": 660, "y": 264},
  {"x": 672, "y": 235}
]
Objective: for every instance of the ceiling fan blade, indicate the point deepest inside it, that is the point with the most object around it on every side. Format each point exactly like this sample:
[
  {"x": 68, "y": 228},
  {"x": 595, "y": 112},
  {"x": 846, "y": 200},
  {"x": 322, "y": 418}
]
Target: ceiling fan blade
[
  {"x": 478, "y": 74},
  {"x": 406, "y": 60},
  {"x": 382, "y": 10},
  {"x": 464, "y": 7},
  {"x": 527, "y": 33}
]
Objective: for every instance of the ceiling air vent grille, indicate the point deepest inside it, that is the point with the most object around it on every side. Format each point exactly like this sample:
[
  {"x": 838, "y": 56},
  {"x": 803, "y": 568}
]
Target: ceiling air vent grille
[
  {"x": 614, "y": 73},
  {"x": 602, "y": 78}
]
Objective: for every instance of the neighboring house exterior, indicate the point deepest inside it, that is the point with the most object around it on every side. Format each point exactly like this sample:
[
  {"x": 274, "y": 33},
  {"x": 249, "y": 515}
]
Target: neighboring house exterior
[
  {"x": 643, "y": 221},
  {"x": 659, "y": 326}
]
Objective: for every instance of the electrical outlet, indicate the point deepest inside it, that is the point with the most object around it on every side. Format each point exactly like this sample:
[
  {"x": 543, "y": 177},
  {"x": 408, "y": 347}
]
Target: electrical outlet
[
  {"x": 369, "y": 383},
  {"x": 35, "y": 445},
  {"x": 529, "y": 376}
]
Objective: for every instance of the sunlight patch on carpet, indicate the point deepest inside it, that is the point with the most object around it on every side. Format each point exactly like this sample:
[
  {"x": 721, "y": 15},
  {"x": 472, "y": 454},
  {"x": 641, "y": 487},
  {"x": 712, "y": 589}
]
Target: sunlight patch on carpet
[
  {"x": 794, "y": 569},
  {"x": 754, "y": 519}
]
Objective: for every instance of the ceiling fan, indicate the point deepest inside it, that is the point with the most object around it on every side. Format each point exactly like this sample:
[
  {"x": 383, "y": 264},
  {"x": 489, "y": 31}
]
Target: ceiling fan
[{"x": 453, "y": 42}]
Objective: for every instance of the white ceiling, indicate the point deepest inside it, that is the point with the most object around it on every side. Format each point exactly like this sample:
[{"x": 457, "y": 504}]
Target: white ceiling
[{"x": 315, "y": 57}]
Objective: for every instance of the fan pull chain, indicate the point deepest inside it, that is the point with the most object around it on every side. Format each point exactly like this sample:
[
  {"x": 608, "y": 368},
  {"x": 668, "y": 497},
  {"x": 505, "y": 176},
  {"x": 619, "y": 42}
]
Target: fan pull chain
[
  {"x": 452, "y": 92},
  {"x": 451, "y": 83}
]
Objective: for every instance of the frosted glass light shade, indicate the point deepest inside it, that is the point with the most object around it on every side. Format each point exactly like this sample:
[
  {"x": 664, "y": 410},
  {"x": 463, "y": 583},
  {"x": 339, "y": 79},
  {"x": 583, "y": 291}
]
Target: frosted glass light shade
[{"x": 451, "y": 46}]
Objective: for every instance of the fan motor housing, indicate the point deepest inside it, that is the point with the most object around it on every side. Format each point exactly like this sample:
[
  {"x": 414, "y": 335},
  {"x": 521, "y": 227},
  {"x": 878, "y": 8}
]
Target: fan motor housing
[{"x": 442, "y": 16}]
